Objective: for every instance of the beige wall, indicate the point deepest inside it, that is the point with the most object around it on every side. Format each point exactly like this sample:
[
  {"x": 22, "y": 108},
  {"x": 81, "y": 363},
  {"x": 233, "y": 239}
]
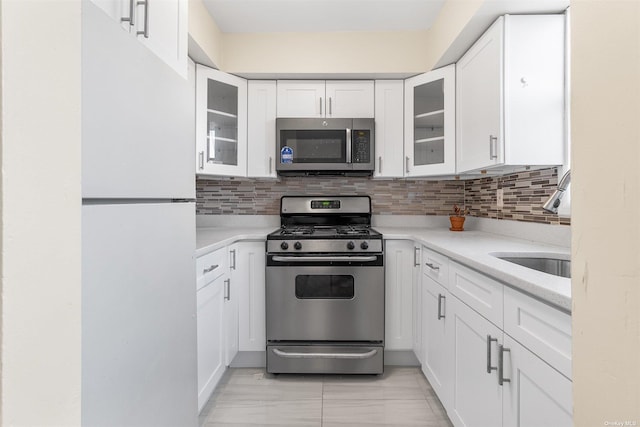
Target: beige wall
[
  {"x": 204, "y": 32},
  {"x": 606, "y": 191},
  {"x": 385, "y": 54},
  {"x": 41, "y": 202}
]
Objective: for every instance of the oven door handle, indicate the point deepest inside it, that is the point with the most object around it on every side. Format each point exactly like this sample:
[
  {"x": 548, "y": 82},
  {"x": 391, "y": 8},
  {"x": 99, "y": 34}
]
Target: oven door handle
[
  {"x": 323, "y": 258},
  {"x": 294, "y": 355}
]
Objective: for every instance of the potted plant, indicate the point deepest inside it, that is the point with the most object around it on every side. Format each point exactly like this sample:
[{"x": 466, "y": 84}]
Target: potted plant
[{"x": 457, "y": 218}]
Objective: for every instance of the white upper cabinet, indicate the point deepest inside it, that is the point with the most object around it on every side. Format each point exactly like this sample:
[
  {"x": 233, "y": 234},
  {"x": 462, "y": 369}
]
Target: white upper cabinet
[
  {"x": 389, "y": 122},
  {"x": 221, "y": 123},
  {"x": 331, "y": 98},
  {"x": 510, "y": 95},
  {"x": 159, "y": 25},
  {"x": 261, "y": 129},
  {"x": 429, "y": 136}
]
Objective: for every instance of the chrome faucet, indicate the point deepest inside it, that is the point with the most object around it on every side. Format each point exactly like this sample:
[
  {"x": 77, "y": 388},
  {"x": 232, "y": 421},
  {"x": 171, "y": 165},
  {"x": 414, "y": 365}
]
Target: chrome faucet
[{"x": 551, "y": 205}]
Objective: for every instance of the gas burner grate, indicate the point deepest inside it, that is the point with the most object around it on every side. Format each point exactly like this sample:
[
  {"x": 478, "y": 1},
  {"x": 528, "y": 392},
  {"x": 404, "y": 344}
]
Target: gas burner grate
[{"x": 297, "y": 231}]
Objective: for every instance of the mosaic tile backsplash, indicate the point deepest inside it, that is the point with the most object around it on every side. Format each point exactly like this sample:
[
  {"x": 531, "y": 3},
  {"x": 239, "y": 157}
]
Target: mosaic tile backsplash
[{"x": 524, "y": 194}]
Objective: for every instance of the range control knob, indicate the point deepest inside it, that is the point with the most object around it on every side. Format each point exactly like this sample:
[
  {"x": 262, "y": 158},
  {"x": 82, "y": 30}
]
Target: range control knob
[
  {"x": 351, "y": 245},
  {"x": 364, "y": 245},
  {"x": 297, "y": 245},
  {"x": 284, "y": 246}
]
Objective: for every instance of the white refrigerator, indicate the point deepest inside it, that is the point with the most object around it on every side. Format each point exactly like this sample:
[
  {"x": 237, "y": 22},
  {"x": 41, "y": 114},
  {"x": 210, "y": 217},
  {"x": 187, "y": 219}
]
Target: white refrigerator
[{"x": 138, "y": 234}]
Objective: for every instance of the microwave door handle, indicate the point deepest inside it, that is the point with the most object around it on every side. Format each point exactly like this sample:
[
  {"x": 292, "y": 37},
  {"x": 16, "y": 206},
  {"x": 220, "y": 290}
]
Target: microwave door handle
[{"x": 349, "y": 143}]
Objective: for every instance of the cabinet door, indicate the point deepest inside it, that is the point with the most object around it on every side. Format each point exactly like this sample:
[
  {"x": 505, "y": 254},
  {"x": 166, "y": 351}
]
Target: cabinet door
[
  {"x": 536, "y": 394},
  {"x": 389, "y": 121},
  {"x": 477, "y": 396},
  {"x": 162, "y": 27},
  {"x": 211, "y": 366},
  {"x": 398, "y": 291},
  {"x": 301, "y": 98},
  {"x": 231, "y": 306},
  {"x": 416, "y": 299},
  {"x": 479, "y": 103},
  {"x": 221, "y": 123},
  {"x": 249, "y": 280},
  {"x": 261, "y": 129},
  {"x": 437, "y": 338},
  {"x": 349, "y": 99},
  {"x": 430, "y": 141}
]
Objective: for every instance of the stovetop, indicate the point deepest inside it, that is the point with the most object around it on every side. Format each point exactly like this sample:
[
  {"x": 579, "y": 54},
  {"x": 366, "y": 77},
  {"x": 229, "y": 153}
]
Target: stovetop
[{"x": 325, "y": 232}]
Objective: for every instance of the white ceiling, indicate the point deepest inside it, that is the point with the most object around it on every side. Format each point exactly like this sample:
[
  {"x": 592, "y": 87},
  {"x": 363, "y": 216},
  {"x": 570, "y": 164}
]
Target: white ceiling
[{"x": 265, "y": 16}]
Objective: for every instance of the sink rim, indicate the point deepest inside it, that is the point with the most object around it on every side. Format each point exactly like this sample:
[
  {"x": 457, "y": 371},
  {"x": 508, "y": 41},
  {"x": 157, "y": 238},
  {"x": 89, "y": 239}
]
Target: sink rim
[{"x": 560, "y": 258}]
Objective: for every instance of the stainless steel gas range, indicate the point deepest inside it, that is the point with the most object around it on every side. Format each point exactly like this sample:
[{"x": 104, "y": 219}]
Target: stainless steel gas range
[{"x": 325, "y": 288}]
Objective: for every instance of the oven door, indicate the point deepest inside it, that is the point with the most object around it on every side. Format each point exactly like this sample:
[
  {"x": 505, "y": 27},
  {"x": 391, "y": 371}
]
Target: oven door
[{"x": 325, "y": 298}]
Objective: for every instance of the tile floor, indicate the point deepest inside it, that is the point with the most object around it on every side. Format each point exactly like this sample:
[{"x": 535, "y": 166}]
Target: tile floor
[{"x": 250, "y": 397}]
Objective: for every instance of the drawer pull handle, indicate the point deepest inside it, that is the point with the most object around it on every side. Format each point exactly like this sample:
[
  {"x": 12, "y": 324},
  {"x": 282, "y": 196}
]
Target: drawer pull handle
[
  {"x": 416, "y": 256},
  {"x": 489, "y": 367},
  {"x": 432, "y": 266},
  {"x": 210, "y": 269},
  {"x": 501, "y": 378},
  {"x": 441, "y": 298},
  {"x": 227, "y": 289}
]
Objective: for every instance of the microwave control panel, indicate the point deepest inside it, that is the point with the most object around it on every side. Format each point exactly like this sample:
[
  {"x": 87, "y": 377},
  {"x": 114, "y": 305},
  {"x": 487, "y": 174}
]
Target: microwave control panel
[{"x": 361, "y": 146}]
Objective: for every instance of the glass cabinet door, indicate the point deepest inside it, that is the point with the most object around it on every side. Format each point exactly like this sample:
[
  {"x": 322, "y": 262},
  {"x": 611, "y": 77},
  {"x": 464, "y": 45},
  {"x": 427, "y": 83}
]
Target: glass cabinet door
[
  {"x": 221, "y": 123},
  {"x": 430, "y": 123}
]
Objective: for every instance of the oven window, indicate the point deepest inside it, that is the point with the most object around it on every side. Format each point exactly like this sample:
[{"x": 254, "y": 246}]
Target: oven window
[
  {"x": 324, "y": 286},
  {"x": 316, "y": 146}
]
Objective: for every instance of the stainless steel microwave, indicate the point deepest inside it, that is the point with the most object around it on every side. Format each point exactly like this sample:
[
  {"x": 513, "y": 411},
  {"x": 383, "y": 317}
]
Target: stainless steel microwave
[{"x": 309, "y": 146}]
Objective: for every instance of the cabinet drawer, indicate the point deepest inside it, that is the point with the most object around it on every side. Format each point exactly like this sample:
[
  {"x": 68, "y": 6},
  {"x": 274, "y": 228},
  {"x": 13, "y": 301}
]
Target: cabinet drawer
[
  {"x": 478, "y": 291},
  {"x": 541, "y": 328},
  {"x": 435, "y": 266},
  {"x": 210, "y": 266}
]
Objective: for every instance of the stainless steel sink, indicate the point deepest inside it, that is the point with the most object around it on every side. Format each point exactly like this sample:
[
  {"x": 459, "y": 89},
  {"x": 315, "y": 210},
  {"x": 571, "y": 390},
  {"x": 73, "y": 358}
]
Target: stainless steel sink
[{"x": 556, "y": 264}]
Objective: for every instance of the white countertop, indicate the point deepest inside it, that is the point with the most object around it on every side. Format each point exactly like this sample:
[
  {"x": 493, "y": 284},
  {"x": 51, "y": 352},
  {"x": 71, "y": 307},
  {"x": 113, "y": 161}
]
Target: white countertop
[{"x": 471, "y": 248}]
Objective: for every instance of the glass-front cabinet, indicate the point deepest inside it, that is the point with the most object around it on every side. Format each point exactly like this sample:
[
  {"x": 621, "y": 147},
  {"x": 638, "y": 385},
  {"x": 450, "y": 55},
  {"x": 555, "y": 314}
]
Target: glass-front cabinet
[
  {"x": 430, "y": 141},
  {"x": 221, "y": 123}
]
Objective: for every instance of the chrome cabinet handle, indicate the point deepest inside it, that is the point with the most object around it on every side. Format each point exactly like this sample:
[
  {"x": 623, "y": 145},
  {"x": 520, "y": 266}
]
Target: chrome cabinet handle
[
  {"x": 321, "y": 106},
  {"x": 441, "y": 298},
  {"x": 493, "y": 147},
  {"x": 227, "y": 289},
  {"x": 432, "y": 266},
  {"x": 232, "y": 252},
  {"x": 296, "y": 355},
  {"x": 145, "y": 30},
  {"x": 416, "y": 255},
  {"x": 201, "y": 160},
  {"x": 210, "y": 269},
  {"x": 489, "y": 367},
  {"x": 380, "y": 164},
  {"x": 330, "y": 112},
  {"x": 132, "y": 10},
  {"x": 407, "y": 164},
  {"x": 501, "y": 378},
  {"x": 270, "y": 165}
]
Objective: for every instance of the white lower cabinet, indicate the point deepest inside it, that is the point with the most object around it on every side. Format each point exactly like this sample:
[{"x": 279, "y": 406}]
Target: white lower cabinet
[
  {"x": 477, "y": 396},
  {"x": 249, "y": 282},
  {"x": 399, "y": 260},
  {"x": 536, "y": 394},
  {"x": 417, "y": 305},
  {"x": 210, "y": 337},
  {"x": 230, "y": 309},
  {"x": 437, "y": 344},
  {"x": 493, "y": 355}
]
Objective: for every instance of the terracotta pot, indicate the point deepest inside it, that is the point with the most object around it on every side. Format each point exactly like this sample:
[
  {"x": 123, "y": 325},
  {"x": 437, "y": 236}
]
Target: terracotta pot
[{"x": 457, "y": 223}]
